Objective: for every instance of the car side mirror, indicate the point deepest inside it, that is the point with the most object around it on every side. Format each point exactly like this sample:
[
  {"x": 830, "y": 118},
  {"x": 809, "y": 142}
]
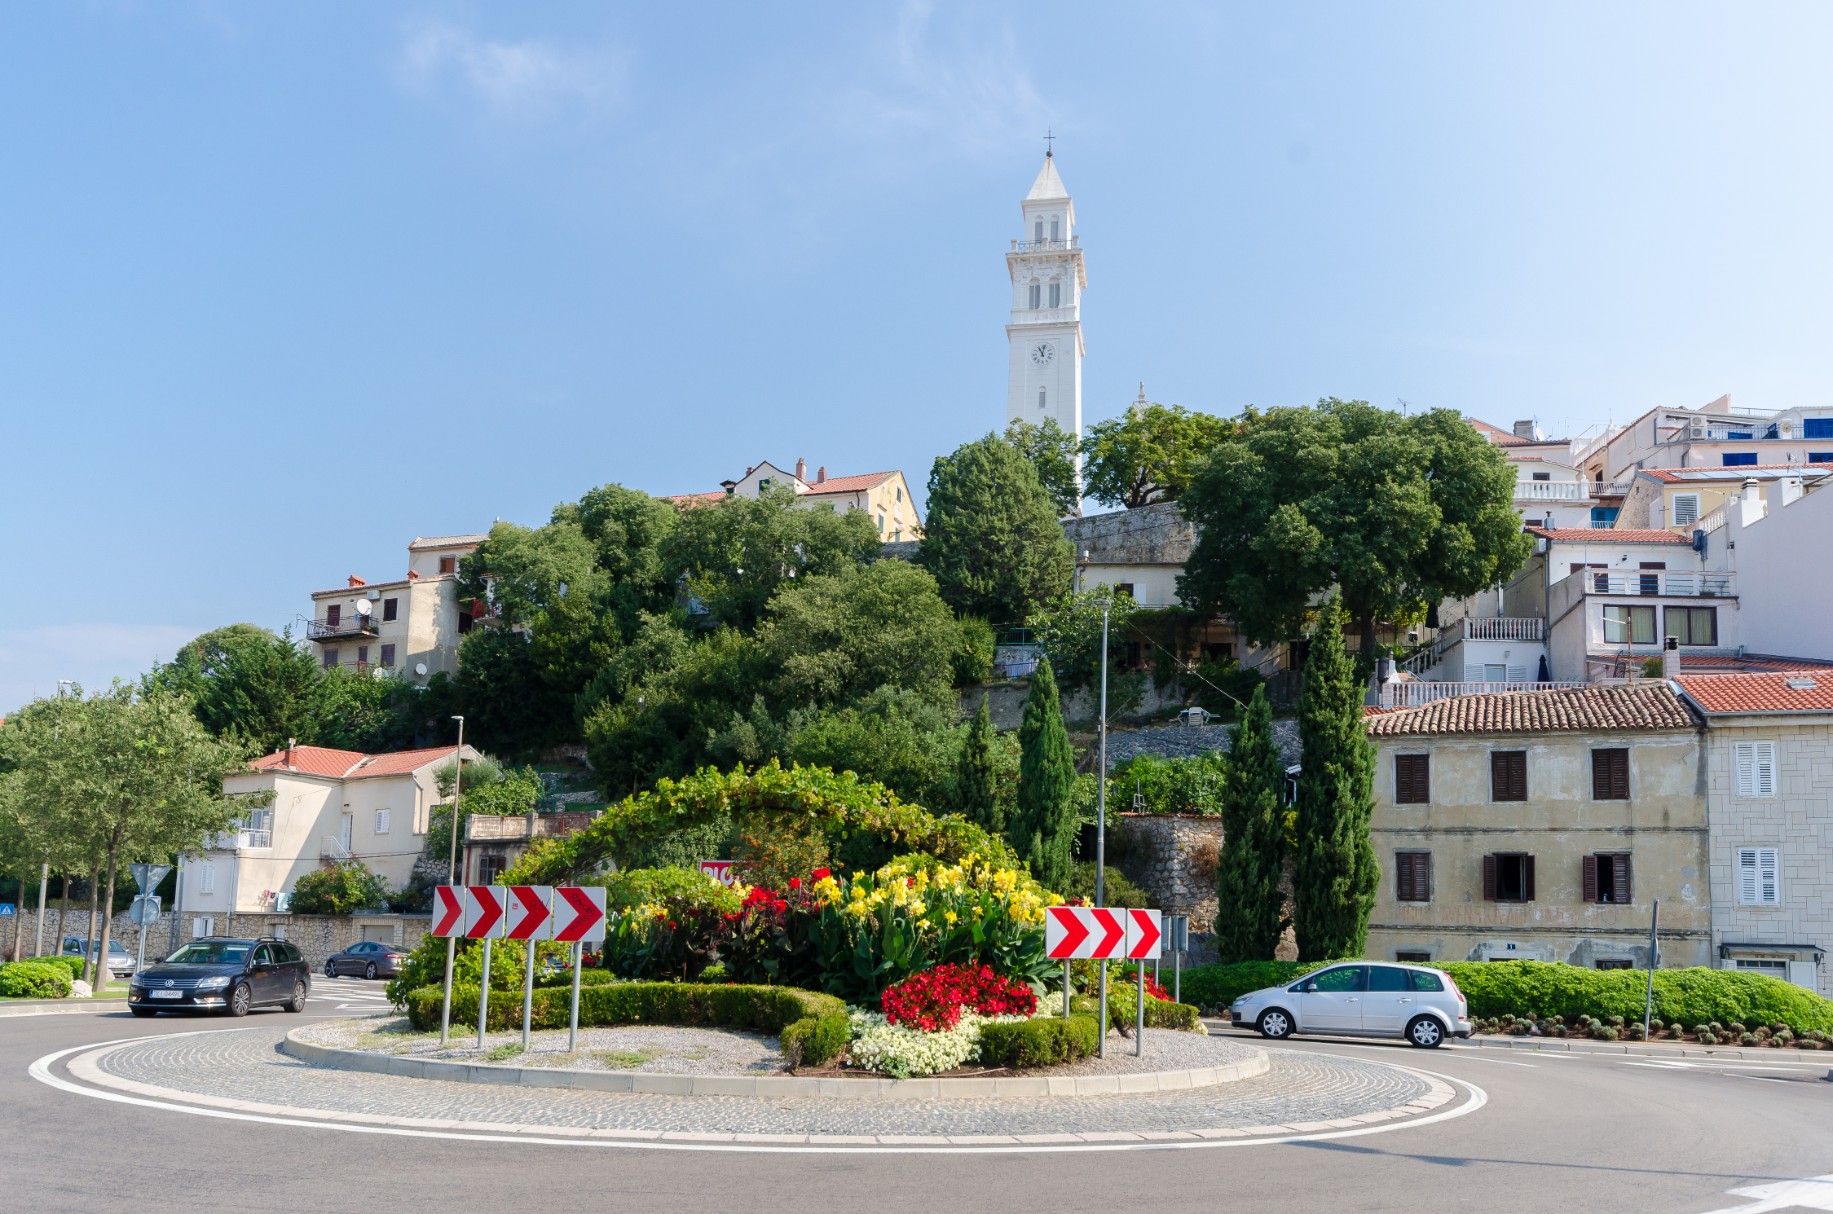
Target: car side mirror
[{"x": 1310, "y": 988}]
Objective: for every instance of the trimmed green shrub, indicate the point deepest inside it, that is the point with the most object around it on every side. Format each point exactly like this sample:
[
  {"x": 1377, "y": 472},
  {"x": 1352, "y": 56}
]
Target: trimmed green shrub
[
  {"x": 1043, "y": 1041},
  {"x": 1706, "y": 998},
  {"x": 1220, "y": 985},
  {"x": 564, "y": 979},
  {"x": 715, "y": 972},
  {"x": 765, "y": 1009},
  {"x": 74, "y": 964},
  {"x": 34, "y": 980}
]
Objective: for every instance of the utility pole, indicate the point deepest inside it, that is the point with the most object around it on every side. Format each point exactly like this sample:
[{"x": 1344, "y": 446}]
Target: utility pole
[
  {"x": 38, "y": 927},
  {"x": 458, "y": 774},
  {"x": 1101, "y": 822}
]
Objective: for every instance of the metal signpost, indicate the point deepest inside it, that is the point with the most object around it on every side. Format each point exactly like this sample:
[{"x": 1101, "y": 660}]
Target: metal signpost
[
  {"x": 484, "y": 920},
  {"x": 531, "y": 920},
  {"x": 448, "y": 924},
  {"x": 1104, "y": 934},
  {"x": 1177, "y": 940},
  {"x": 1101, "y": 823},
  {"x": 579, "y": 916},
  {"x": 1654, "y": 959},
  {"x": 147, "y": 877}
]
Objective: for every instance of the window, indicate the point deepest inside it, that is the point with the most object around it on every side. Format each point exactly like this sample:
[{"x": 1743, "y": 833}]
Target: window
[
  {"x": 1055, "y": 229},
  {"x": 1056, "y": 294},
  {"x": 1692, "y": 625},
  {"x": 1219, "y": 651},
  {"x": 1741, "y": 459},
  {"x": 1412, "y": 779},
  {"x": 764, "y": 482},
  {"x": 1413, "y": 876},
  {"x": 1414, "y": 957},
  {"x": 1759, "y": 876},
  {"x": 1508, "y": 877},
  {"x": 1820, "y": 457},
  {"x": 1542, "y": 476},
  {"x": 1387, "y": 979},
  {"x": 1343, "y": 979},
  {"x": 388, "y": 655},
  {"x": 1614, "y": 963},
  {"x": 330, "y": 658},
  {"x": 1610, "y": 774},
  {"x": 334, "y": 615},
  {"x": 206, "y": 878},
  {"x": 1606, "y": 878},
  {"x": 1508, "y": 775},
  {"x": 1756, "y": 768},
  {"x": 1040, "y": 398},
  {"x": 1125, "y": 588},
  {"x": 1625, "y": 625},
  {"x": 264, "y": 955},
  {"x": 881, "y": 520},
  {"x": 1422, "y": 981},
  {"x": 1037, "y": 230},
  {"x": 390, "y": 608},
  {"x": 1037, "y": 296},
  {"x": 448, "y": 564},
  {"x": 1746, "y": 434},
  {"x": 362, "y": 656},
  {"x": 1649, "y": 580},
  {"x": 900, "y": 493},
  {"x": 1604, "y": 517},
  {"x": 1817, "y": 427},
  {"x": 1686, "y": 509},
  {"x": 382, "y": 821}
]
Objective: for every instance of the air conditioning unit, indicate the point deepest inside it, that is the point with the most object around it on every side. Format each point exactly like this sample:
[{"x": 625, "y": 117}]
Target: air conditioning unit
[
  {"x": 1698, "y": 431},
  {"x": 374, "y": 596}
]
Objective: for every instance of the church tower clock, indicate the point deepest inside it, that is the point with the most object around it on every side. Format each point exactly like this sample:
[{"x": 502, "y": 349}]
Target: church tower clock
[{"x": 1045, "y": 330}]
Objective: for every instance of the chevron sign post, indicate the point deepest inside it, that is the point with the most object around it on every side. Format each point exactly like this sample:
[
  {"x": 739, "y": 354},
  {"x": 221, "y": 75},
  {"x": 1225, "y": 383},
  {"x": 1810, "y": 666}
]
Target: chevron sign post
[
  {"x": 529, "y": 920},
  {"x": 579, "y": 916},
  {"x": 448, "y": 911},
  {"x": 1102, "y": 933}
]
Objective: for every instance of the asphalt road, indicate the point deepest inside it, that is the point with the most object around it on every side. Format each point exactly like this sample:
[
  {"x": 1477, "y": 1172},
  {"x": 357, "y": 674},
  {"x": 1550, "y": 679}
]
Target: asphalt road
[{"x": 1574, "y": 1132}]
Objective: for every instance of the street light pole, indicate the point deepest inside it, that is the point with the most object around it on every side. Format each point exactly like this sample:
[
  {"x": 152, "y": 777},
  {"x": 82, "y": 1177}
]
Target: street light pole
[
  {"x": 458, "y": 775},
  {"x": 1101, "y": 824},
  {"x": 38, "y": 928}
]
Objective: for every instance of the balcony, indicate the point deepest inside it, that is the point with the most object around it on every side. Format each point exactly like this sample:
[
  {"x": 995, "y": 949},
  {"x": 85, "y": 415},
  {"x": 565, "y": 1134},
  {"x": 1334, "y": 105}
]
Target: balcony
[
  {"x": 331, "y": 847},
  {"x": 1046, "y": 246},
  {"x": 1504, "y": 628},
  {"x": 1552, "y": 491},
  {"x": 1658, "y": 583},
  {"x": 240, "y": 840},
  {"x": 1412, "y": 695},
  {"x": 352, "y": 625}
]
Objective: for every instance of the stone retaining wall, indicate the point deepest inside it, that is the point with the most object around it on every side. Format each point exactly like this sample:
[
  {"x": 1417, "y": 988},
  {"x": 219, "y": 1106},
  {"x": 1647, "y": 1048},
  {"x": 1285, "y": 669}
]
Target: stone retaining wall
[{"x": 318, "y": 936}]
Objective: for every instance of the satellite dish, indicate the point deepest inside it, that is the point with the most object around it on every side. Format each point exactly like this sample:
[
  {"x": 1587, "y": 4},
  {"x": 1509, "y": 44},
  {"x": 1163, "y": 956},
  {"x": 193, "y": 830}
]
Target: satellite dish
[
  {"x": 364, "y": 607},
  {"x": 420, "y": 669}
]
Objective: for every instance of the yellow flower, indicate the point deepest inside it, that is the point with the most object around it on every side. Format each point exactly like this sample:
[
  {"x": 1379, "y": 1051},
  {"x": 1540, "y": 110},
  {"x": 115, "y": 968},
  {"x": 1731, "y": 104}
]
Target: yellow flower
[
  {"x": 950, "y": 916},
  {"x": 917, "y": 907}
]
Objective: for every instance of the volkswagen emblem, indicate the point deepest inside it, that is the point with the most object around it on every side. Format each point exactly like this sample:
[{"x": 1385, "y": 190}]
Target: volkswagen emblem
[{"x": 168, "y": 982}]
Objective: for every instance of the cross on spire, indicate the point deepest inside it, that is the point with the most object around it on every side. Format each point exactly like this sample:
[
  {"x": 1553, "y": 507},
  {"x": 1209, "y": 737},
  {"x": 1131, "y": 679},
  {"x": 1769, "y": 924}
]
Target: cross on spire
[{"x": 1049, "y": 139}]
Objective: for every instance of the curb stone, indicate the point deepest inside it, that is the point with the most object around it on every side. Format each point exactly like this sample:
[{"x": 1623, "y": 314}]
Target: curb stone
[{"x": 778, "y": 1086}]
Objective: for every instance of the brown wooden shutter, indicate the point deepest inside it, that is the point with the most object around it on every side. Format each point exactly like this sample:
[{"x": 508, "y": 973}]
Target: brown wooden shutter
[
  {"x": 1610, "y": 775},
  {"x": 1621, "y": 875},
  {"x": 1527, "y": 876},
  {"x": 1422, "y": 874},
  {"x": 1489, "y": 878},
  {"x": 1508, "y": 775},
  {"x": 1590, "y": 869},
  {"x": 1619, "y": 776},
  {"x": 1412, "y": 779},
  {"x": 1403, "y": 877}
]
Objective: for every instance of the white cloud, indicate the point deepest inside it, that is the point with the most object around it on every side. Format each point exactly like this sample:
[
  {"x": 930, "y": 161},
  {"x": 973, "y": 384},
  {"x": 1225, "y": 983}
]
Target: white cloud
[
  {"x": 530, "y": 79},
  {"x": 32, "y": 660}
]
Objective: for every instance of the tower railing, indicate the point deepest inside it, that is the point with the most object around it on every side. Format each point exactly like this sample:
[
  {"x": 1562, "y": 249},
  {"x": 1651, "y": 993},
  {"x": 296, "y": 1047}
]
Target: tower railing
[{"x": 1045, "y": 246}]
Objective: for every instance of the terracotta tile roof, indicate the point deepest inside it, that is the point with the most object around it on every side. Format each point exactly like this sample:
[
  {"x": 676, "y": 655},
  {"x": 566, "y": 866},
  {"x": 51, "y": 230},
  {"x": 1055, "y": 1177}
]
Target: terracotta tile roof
[
  {"x": 1733, "y": 472},
  {"x": 444, "y": 541},
  {"x": 695, "y": 499},
  {"x": 1648, "y": 705},
  {"x": 1750, "y": 663},
  {"x": 1735, "y": 693},
  {"x": 351, "y": 764},
  {"x": 1608, "y": 535},
  {"x": 848, "y": 484},
  {"x": 1495, "y": 434}
]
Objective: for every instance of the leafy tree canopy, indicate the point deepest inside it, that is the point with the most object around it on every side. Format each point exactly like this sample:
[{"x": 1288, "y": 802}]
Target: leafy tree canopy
[
  {"x": 992, "y": 538},
  {"x": 1396, "y": 512},
  {"x": 833, "y": 638},
  {"x": 246, "y": 681},
  {"x": 1148, "y": 455},
  {"x": 522, "y": 571},
  {"x": 1052, "y": 452}
]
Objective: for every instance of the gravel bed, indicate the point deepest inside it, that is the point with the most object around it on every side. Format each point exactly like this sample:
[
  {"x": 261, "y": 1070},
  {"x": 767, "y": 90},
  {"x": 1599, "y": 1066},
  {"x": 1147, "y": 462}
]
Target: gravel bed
[
  {"x": 661, "y": 1048},
  {"x": 1166, "y": 1050}
]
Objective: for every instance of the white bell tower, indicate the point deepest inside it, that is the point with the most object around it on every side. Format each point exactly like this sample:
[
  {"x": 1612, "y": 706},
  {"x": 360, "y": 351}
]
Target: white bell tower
[{"x": 1045, "y": 331}]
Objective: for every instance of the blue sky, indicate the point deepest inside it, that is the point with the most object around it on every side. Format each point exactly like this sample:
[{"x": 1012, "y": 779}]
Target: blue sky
[{"x": 285, "y": 287}]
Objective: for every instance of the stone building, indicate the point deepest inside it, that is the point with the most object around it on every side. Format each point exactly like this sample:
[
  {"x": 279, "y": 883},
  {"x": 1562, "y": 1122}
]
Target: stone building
[{"x": 1542, "y": 825}]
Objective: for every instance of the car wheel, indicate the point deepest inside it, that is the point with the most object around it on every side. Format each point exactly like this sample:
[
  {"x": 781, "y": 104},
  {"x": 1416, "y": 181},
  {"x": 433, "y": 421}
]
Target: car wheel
[
  {"x": 369, "y": 971},
  {"x": 1275, "y": 1024},
  {"x": 240, "y": 1000},
  {"x": 1425, "y": 1032},
  {"x": 330, "y": 969},
  {"x": 142, "y": 1012},
  {"x": 297, "y": 1002}
]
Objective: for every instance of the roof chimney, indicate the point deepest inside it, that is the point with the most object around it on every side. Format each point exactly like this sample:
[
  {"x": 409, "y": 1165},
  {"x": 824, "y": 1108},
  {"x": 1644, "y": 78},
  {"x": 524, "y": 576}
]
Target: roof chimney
[
  {"x": 801, "y": 469},
  {"x": 1527, "y": 430},
  {"x": 821, "y": 475},
  {"x": 356, "y": 581},
  {"x": 1670, "y": 658},
  {"x": 1753, "y": 495},
  {"x": 289, "y": 751}
]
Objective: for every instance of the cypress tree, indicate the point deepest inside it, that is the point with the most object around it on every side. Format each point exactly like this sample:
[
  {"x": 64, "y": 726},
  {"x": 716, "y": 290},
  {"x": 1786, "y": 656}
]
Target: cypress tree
[
  {"x": 1043, "y": 828},
  {"x": 1334, "y": 874},
  {"x": 1249, "y": 920},
  {"x": 976, "y": 794}
]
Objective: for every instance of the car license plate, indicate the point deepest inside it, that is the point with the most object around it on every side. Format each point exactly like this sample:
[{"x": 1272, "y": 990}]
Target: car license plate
[{"x": 167, "y": 994}]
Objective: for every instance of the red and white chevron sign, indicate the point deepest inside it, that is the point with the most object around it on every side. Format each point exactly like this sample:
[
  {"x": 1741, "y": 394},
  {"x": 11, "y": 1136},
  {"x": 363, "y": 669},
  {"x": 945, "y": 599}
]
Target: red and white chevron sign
[
  {"x": 1102, "y": 933},
  {"x": 579, "y": 913},
  {"x": 448, "y": 911},
  {"x": 484, "y": 907},
  {"x": 529, "y": 917}
]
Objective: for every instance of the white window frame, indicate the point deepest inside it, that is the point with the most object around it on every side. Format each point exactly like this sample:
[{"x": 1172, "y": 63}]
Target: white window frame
[
  {"x": 206, "y": 877},
  {"x": 1759, "y": 876},
  {"x": 1692, "y": 516},
  {"x": 1754, "y": 768},
  {"x": 1056, "y": 294},
  {"x": 384, "y": 819},
  {"x": 1037, "y": 296}
]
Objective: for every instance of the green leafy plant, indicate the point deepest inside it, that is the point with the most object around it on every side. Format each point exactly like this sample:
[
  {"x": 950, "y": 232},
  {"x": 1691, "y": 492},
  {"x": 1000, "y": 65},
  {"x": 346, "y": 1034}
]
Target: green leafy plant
[
  {"x": 1041, "y": 1041},
  {"x": 340, "y": 889},
  {"x": 34, "y": 980}
]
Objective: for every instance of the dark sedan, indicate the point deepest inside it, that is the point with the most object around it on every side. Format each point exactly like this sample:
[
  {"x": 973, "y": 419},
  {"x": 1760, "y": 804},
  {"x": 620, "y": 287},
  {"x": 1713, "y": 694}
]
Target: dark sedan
[
  {"x": 370, "y": 958},
  {"x": 223, "y": 975}
]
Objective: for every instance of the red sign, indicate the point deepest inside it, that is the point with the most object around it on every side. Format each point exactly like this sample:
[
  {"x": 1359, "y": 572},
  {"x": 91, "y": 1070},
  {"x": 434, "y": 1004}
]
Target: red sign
[
  {"x": 484, "y": 912},
  {"x": 579, "y": 913},
  {"x": 448, "y": 910},
  {"x": 1101, "y": 933},
  {"x": 719, "y": 870},
  {"x": 529, "y": 918}
]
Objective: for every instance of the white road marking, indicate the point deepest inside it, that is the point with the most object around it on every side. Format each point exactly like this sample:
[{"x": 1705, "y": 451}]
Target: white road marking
[{"x": 1809, "y": 1193}]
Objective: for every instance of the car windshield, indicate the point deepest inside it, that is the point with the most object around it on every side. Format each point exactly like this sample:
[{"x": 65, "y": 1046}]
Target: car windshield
[{"x": 212, "y": 953}]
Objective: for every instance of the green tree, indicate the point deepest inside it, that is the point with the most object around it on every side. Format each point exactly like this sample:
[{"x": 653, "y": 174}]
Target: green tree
[
  {"x": 1148, "y": 455},
  {"x": 627, "y": 529},
  {"x": 490, "y": 787},
  {"x": 339, "y": 889},
  {"x": 521, "y": 571},
  {"x": 1335, "y": 873},
  {"x": 895, "y": 737},
  {"x": 1044, "y": 826},
  {"x": 498, "y": 677},
  {"x": 833, "y": 638},
  {"x": 1252, "y": 911},
  {"x": 992, "y": 538},
  {"x": 976, "y": 791},
  {"x": 1394, "y": 512},
  {"x": 245, "y": 681},
  {"x": 1069, "y": 629},
  {"x": 1052, "y": 451}
]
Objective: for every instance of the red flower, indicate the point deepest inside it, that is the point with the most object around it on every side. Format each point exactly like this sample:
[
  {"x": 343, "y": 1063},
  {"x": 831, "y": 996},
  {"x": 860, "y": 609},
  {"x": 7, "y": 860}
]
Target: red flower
[
  {"x": 671, "y": 925},
  {"x": 795, "y": 883},
  {"x": 820, "y": 874}
]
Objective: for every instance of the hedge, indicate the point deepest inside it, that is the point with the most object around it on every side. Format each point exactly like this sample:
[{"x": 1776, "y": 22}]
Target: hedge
[
  {"x": 34, "y": 980},
  {"x": 75, "y": 964},
  {"x": 1043, "y": 1041},
  {"x": 564, "y": 978},
  {"x": 1691, "y": 996},
  {"x": 1220, "y": 985},
  {"x": 812, "y": 1027},
  {"x": 1160, "y": 1013}
]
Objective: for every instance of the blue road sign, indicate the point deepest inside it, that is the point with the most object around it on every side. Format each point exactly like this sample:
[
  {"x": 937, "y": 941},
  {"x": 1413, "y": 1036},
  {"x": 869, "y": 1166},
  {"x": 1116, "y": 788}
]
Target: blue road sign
[{"x": 6, "y": 910}]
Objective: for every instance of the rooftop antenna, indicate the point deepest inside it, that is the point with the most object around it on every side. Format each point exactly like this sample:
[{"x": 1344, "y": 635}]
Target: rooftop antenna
[{"x": 1049, "y": 140}]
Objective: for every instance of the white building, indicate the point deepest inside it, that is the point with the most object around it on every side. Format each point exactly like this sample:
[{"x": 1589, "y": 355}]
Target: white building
[
  {"x": 410, "y": 627},
  {"x": 884, "y": 496},
  {"x": 327, "y": 805},
  {"x": 1045, "y": 330},
  {"x": 1778, "y": 543},
  {"x": 1717, "y": 435}
]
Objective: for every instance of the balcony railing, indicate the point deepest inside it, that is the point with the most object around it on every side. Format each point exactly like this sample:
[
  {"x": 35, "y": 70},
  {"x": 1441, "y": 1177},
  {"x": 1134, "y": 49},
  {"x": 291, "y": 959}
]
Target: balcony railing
[
  {"x": 330, "y": 847},
  {"x": 254, "y": 838},
  {"x": 352, "y": 625},
  {"x": 1504, "y": 628},
  {"x": 1552, "y": 491},
  {"x": 1711, "y": 522},
  {"x": 1045, "y": 246},
  {"x": 1656, "y": 582},
  {"x": 1413, "y": 694}
]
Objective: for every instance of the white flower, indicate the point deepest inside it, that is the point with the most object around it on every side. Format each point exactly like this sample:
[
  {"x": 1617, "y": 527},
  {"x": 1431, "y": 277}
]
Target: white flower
[{"x": 902, "y": 1051}]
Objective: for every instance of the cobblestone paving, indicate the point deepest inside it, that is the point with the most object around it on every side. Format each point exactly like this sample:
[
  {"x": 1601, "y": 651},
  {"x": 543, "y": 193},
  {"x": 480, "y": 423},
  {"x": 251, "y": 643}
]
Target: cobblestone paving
[{"x": 1300, "y": 1088}]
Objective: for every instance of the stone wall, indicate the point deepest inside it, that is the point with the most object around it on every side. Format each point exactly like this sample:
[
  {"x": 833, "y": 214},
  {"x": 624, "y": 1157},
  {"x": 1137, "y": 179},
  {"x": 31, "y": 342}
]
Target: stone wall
[
  {"x": 1173, "y": 857},
  {"x": 317, "y": 936}
]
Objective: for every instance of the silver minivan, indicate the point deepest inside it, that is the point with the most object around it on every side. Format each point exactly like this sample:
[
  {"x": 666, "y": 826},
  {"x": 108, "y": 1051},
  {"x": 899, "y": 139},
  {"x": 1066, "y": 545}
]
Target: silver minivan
[{"x": 1360, "y": 999}]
